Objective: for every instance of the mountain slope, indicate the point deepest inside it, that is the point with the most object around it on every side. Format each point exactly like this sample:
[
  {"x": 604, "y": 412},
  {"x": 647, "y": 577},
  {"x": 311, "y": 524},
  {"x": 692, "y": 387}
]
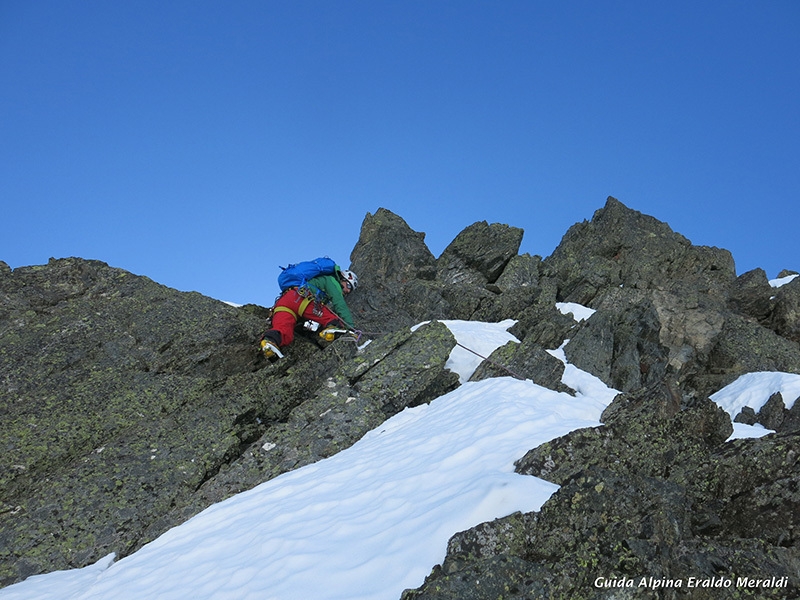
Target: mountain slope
[{"x": 128, "y": 407}]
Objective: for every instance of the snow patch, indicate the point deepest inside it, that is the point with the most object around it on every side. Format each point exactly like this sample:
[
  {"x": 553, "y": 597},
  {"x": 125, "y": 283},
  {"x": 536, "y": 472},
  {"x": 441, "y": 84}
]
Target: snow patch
[
  {"x": 578, "y": 312},
  {"x": 754, "y": 389},
  {"x": 742, "y": 431},
  {"x": 59, "y": 584},
  {"x": 781, "y": 281},
  {"x": 477, "y": 341}
]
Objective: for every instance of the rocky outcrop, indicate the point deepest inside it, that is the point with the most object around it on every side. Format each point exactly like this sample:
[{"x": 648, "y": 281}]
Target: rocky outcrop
[
  {"x": 751, "y": 294},
  {"x": 666, "y": 307},
  {"x": 470, "y": 266},
  {"x": 623, "y": 247},
  {"x": 527, "y": 360},
  {"x": 773, "y": 415},
  {"x": 127, "y": 407},
  {"x": 119, "y": 397},
  {"x": 397, "y": 276},
  {"x": 404, "y": 284},
  {"x": 656, "y": 492},
  {"x": 392, "y": 373},
  {"x": 479, "y": 254}
]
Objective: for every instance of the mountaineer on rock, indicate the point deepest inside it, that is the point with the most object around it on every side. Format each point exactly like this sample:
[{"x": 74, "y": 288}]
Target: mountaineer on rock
[{"x": 312, "y": 295}]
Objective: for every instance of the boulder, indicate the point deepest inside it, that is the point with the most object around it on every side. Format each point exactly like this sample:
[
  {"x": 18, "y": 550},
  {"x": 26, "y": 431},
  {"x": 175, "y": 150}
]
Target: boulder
[
  {"x": 773, "y": 415},
  {"x": 521, "y": 271},
  {"x": 785, "y": 318},
  {"x": 396, "y": 276},
  {"x": 479, "y": 254},
  {"x": 526, "y": 360},
  {"x": 621, "y": 342},
  {"x": 539, "y": 321},
  {"x": 751, "y": 294}
]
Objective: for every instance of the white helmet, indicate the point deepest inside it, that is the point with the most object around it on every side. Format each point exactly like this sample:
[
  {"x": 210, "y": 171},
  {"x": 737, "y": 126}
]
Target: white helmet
[{"x": 349, "y": 277}]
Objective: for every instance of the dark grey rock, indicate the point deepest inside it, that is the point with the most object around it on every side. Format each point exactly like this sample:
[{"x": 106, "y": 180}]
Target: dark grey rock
[
  {"x": 741, "y": 346},
  {"x": 522, "y": 271},
  {"x": 773, "y": 412},
  {"x": 525, "y": 360},
  {"x": 773, "y": 415},
  {"x": 119, "y": 397},
  {"x": 791, "y": 418},
  {"x": 785, "y": 318},
  {"x": 479, "y": 254},
  {"x": 751, "y": 295},
  {"x": 397, "y": 371},
  {"x": 396, "y": 276},
  {"x": 623, "y": 247},
  {"x": 497, "y": 306},
  {"x": 389, "y": 251},
  {"x": 465, "y": 300},
  {"x": 416, "y": 373},
  {"x": 600, "y": 524},
  {"x": 643, "y": 433},
  {"x": 621, "y": 344},
  {"x": 540, "y": 322}
]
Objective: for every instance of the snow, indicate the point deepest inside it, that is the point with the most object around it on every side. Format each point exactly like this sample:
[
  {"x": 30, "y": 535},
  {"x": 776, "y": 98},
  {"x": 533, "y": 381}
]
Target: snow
[
  {"x": 578, "y": 312},
  {"x": 478, "y": 341},
  {"x": 753, "y": 390},
  {"x": 741, "y": 431},
  {"x": 776, "y": 283},
  {"x": 374, "y": 519}
]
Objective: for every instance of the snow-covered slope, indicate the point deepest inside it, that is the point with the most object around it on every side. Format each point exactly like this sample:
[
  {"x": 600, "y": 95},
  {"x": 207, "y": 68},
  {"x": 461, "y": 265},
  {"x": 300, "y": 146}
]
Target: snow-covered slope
[{"x": 373, "y": 519}]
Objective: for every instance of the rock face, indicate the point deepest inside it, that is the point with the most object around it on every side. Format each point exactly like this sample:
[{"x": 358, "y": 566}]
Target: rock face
[{"x": 127, "y": 407}]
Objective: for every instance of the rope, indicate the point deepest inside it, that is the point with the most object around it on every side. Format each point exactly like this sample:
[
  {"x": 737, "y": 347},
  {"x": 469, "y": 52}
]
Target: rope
[
  {"x": 492, "y": 362},
  {"x": 359, "y": 333}
]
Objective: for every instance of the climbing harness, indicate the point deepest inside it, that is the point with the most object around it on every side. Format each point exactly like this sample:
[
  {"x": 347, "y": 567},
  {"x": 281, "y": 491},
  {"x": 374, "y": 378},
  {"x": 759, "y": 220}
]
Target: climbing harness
[{"x": 308, "y": 297}]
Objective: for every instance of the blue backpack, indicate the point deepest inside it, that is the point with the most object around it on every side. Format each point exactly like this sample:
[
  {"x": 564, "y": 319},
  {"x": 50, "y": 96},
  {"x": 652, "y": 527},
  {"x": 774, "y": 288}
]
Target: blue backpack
[{"x": 299, "y": 274}]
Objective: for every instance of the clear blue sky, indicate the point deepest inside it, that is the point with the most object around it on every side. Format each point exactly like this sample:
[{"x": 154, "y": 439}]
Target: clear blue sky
[{"x": 202, "y": 144}]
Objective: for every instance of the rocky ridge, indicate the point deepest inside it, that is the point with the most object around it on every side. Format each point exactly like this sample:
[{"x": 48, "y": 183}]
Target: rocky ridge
[{"x": 128, "y": 407}]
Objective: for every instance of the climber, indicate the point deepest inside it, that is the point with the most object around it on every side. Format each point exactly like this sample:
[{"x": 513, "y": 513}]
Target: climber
[{"x": 317, "y": 304}]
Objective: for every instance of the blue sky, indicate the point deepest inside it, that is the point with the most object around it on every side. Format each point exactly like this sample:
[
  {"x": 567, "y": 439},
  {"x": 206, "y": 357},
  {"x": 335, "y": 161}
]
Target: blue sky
[{"x": 203, "y": 144}]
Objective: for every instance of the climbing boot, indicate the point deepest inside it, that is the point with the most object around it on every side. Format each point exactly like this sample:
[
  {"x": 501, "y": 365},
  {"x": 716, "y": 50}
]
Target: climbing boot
[
  {"x": 331, "y": 333},
  {"x": 271, "y": 350}
]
